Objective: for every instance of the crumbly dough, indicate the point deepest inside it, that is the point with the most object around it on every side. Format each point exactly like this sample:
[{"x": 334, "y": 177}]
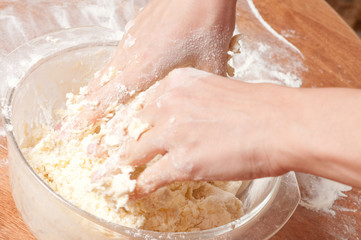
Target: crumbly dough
[{"x": 67, "y": 167}]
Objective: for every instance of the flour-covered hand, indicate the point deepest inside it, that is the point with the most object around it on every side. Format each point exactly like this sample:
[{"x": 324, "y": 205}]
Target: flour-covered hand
[
  {"x": 206, "y": 127},
  {"x": 166, "y": 34}
]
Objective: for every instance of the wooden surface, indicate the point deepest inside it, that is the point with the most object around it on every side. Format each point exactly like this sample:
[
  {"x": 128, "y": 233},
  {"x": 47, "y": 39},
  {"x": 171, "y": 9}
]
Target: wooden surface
[
  {"x": 332, "y": 55},
  {"x": 11, "y": 225}
]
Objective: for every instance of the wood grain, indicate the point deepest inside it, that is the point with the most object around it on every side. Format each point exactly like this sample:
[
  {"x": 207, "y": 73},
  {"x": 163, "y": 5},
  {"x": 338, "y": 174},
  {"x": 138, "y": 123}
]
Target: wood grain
[
  {"x": 331, "y": 48},
  {"x": 12, "y": 226},
  {"x": 332, "y": 55}
]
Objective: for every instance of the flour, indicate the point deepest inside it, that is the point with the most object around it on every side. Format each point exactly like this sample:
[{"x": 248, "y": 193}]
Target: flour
[
  {"x": 289, "y": 33},
  {"x": 102, "y": 185},
  {"x": 110, "y": 74},
  {"x": 343, "y": 209},
  {"x": 129, "y": 25},
  {"x": 319, "y": 194},
  {"x": 52, "y": 39},
  {"x": 4, "y": 162},
  {"x": 129, "y": 41},
  {"x": 253, "y": 64},
  {"x": 263, "y": 55},
  {"x": 3, "y": 142},
  {"x": 269, "y": 28},
  {"x": 2, "y": 132}
]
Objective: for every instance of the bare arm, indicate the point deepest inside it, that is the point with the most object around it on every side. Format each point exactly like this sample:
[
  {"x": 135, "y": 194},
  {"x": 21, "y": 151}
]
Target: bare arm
[
  {"x": 326, "y": 135},
  {"x": 209, "y": 127},
  {"x": 166, "y": 34}
]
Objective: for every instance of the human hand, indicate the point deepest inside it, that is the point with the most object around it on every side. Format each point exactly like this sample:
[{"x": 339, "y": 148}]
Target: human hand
[
  {"x": 206, "y": 127},
  {"x": 165, "y": 35}
]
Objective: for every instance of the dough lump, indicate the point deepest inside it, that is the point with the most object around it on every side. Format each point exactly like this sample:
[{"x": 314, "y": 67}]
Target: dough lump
[{"x": 67, "y": 167}]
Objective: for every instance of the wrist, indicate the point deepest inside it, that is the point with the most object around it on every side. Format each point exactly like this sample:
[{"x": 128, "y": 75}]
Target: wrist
[
  {"x": 297, "y": 149},
  {"x": 322, "y": 137},
  {"x": 216, "y": 12},
  {"x": 281, "y": 129}
]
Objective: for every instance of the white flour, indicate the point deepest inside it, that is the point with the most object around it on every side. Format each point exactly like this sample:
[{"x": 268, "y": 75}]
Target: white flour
[
  {"x": 268, "y": 27},
  {"x": 2, "y": 132},
  {"x": 319, "y": 194},
  {"x": 265, "y": 56},
  {"x": 3, "y": 162},
  {"x": 253, "y": 64}
]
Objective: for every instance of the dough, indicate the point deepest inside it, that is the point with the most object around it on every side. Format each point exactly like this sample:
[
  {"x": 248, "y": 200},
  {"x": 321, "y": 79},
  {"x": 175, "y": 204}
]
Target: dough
[{"x": 67, "y": 167}]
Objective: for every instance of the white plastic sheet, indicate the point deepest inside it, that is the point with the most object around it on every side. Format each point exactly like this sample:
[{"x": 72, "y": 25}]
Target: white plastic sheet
[{"x": 23, "y": 20}]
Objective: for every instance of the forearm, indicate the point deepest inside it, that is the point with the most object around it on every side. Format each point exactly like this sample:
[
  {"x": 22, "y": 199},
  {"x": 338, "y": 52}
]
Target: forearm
[
  {"x": 208, "y": 12},
  {"x": 325, "y": 134},
  {"x": 220, "y": 8},
  {"x": 212, "y": 5}
]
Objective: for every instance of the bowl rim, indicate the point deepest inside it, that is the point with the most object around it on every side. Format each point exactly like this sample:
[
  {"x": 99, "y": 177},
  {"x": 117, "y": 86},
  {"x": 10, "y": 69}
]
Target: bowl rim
[{"x": 11, "y": 94}]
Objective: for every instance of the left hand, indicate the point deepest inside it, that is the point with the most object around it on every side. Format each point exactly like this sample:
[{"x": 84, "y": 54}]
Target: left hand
[{"x": 166, "y": 34}]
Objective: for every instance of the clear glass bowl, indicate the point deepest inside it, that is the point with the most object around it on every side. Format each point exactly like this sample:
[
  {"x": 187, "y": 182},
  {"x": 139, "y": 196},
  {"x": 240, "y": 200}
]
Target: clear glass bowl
[{"x": 38, "y": 75}]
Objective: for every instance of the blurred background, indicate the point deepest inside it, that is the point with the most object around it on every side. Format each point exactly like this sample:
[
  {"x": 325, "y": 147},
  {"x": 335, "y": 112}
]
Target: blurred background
[{"x": 350, "y": 11}]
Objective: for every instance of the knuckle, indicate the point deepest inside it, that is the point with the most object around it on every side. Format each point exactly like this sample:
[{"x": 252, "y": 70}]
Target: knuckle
[{"x": 176, "y": 72}]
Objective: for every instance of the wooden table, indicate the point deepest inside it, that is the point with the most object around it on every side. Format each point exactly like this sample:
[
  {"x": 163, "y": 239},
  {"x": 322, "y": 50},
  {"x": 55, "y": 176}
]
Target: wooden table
[{"x": 333, "y": 57}]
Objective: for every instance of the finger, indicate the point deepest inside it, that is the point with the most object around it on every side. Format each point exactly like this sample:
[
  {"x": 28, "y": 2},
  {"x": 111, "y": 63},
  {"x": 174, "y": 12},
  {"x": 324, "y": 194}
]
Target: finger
[
  {"x": 120, "y": 90},
  {"x": 96, "y": 149},
  {"x": 98, "y": 103},
  {"x": 136, "y": 153},
  {"x": 102, "y": 78},
  {"x": 96, "y": 106},
  {"x": 58, "y": 126},
  {"x": 109, "y": 167},
  {"x": 160, "y": 174},
  {"x": 155, "y": 103},
  {"x": 149, "y": 145},
  {"x": 71, "y": 127},
  {"x": 117, "y": 64}
]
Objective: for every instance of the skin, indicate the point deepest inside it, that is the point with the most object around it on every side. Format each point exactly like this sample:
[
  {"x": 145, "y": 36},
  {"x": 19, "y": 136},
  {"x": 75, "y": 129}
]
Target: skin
[
  {"x": 208, "y": 127},
  {"x": 158, "y": 40}
]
